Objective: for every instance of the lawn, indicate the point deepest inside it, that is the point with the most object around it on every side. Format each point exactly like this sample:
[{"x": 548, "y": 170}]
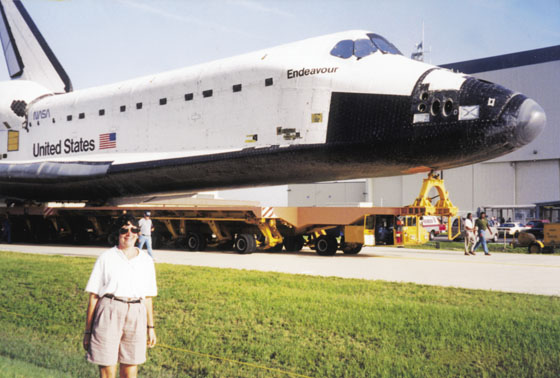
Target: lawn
[
  {"x": 226, "y": 323},
  {"x": 460, "y": 246}
]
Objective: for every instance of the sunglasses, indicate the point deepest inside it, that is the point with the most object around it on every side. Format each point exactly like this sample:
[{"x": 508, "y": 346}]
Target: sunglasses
[{"x": 134, "y": 230}]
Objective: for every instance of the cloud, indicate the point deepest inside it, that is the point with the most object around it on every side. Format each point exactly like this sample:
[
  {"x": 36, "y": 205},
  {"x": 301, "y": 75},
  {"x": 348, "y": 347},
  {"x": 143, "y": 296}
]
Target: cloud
[
  {"x": 260, "y": 7},
  {"x": 181, "y": 17}
]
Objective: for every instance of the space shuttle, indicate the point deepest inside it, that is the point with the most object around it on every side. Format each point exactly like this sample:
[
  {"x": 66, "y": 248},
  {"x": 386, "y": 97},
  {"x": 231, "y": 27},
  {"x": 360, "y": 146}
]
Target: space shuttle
[{"x": 335, "y": 107}]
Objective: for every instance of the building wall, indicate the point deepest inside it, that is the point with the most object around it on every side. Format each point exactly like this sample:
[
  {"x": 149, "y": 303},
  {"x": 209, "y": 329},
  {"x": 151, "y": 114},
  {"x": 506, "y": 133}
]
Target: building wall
[
  {"x": 343, "y": 193},
  {"x": 541, "y": 82},
  {"x": 538, "y": 181},
  {"x": 266, "y": 196},
  {"x": 347, "y": 193}
]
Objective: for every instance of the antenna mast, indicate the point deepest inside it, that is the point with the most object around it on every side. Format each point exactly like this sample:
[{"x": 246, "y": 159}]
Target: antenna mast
[{"x": 419, "y": 53}]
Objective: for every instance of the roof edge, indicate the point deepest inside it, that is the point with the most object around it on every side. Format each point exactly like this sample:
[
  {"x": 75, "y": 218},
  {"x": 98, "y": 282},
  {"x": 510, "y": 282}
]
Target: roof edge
[{"x": 501, "y": 62}]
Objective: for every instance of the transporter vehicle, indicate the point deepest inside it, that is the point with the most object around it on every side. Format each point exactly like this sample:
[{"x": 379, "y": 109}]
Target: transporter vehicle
[
  {"x": 550, "y": 240},
  {"x": 511, "y": 229},
  {"x": 196, "y": 224}
]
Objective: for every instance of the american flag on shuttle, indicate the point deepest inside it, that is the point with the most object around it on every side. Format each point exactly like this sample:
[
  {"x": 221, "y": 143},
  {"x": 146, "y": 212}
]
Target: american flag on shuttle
[{"x": 107, "y": 140}]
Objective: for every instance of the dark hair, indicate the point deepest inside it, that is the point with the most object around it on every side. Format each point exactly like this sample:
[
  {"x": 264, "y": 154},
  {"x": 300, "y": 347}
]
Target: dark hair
[
  {"x": 468, "y": 215},
  {"x": 124, "y": 220}
]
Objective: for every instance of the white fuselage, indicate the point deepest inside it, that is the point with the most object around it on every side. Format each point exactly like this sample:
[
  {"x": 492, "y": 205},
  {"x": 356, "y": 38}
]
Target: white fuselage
[
  {"x": 325, "y": 108},
  {"x": 221, "y": 106}
]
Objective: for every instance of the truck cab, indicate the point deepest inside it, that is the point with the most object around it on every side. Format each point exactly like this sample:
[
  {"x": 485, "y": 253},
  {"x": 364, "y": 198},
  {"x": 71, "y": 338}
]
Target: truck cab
[{"x": 393, "y": 230}]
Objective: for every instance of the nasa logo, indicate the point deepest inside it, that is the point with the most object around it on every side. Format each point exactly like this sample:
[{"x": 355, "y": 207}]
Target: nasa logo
[{"x": 41, "y": 114}]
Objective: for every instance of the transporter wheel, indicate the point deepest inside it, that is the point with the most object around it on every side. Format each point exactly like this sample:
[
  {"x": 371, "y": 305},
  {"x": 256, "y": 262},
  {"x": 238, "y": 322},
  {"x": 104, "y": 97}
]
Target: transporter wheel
[
  {"x": 293, "y": 243},
  {"x": 351, "y": 249},
  {"x": 245, "y": 243},
  {"x": 432, "y": 235},
  {"x": 534, "y": 247},
  {"x": 495, "y": 238},
  {"x": 195, "y": 242},
  {"x": 326, "y": 245}
]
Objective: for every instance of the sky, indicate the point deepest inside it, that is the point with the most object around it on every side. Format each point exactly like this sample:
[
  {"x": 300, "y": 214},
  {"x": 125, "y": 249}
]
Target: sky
[{"x": 104, "y": 41}]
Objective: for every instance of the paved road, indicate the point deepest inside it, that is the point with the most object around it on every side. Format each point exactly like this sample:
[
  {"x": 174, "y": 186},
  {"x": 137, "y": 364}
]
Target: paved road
[{"x": 519, "y": 273}]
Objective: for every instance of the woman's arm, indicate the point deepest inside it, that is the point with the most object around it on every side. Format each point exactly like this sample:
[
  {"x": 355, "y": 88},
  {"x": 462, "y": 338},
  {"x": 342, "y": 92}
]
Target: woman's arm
[
  {"x": 92, "y": 304},
  {"x": 151, "y": 325}
]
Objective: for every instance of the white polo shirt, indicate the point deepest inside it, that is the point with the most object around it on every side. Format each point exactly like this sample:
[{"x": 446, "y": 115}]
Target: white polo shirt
[
  {"x": 145, "y": 226},
  {"x": 469, "y": 223},
  {"x": 114, "y": 274}
]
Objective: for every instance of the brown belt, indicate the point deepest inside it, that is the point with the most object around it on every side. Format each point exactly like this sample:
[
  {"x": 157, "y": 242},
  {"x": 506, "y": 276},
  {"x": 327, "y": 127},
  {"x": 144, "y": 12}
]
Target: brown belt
[{"x": 124, "y": 300}]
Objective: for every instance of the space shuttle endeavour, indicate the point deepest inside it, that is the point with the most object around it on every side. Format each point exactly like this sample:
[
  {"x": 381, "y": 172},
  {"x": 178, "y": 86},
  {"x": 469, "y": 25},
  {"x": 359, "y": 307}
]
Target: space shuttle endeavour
[{"x": 340, "y": 106}]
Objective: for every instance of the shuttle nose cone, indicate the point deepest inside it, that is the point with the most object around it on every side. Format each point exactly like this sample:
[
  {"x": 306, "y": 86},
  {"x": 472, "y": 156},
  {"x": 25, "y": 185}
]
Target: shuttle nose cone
[{"x": 530, "y": 122}]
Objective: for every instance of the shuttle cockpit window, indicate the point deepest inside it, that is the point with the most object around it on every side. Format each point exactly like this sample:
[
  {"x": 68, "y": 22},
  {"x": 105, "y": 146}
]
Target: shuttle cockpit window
[
  {"x": 343, "y": 49},
  {"x": 361, "y": 48},
  {"x": 383, "y": 44}
]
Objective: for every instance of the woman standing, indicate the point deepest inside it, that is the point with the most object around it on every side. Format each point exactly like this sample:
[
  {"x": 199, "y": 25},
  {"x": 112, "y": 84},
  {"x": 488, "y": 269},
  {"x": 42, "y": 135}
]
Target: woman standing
[{"x": 120, "y": 318}]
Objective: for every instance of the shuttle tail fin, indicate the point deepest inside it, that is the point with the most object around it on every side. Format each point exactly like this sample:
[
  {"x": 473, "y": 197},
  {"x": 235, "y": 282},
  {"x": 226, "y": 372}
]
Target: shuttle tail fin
[{"x": 28, "y": 56}]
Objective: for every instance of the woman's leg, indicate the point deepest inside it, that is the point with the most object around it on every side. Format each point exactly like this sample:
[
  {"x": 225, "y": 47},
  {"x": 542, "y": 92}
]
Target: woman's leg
[
  {"x": 128, "y": 371},
  {"x": 108, "y": 371}
]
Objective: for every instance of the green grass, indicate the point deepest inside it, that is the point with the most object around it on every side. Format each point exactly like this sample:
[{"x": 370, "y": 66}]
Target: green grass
[
  {"x": 460, "y": 246},
  {"x": 312, "y": 326},
  {"x": 10, "y": 368}
]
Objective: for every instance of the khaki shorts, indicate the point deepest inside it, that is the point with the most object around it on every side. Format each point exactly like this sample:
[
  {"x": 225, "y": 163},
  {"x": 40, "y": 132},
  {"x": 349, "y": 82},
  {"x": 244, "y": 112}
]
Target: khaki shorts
[{"x": 119, "y": 333}]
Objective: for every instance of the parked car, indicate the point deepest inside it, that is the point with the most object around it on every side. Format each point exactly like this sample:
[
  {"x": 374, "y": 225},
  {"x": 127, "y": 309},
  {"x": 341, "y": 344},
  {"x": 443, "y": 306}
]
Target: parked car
[
  {"x": 537, "y": 229},
  {"x": 512, "y": 228},
  {"x": 533, "y": 223},
  {"x": 489, "y": 236},
  {"x": 432, "y": 225}
]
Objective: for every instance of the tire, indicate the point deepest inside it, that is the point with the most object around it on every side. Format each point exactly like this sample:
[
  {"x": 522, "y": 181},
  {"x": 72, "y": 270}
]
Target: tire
[
  {"x": 534, "y": 247},
  {"x": 276, "y": 248},
  {"x": 495, "y": 238},
  {"x": 352, "y": 249},
  {"x": 195, "y": 242},
  {"x": 293, "y": 243},
  {"x": 432, "y": 235},
  {"x": 326, "y": 245},
  {"x": 516, "y": 235},
  {"x": 245, "y": 243}
]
